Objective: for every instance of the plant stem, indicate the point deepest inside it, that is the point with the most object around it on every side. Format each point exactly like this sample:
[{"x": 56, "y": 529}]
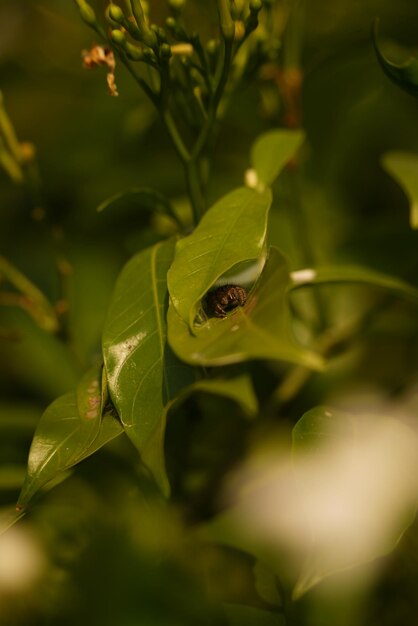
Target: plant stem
[
  {"x": 221, "y": 78},
  {"x": 195, "y": 189},
  {"x": 302, "y": 234}
]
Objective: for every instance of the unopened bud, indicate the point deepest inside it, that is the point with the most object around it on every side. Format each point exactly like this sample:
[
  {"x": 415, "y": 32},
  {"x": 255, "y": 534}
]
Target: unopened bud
[
  {"x": 118, "y": 37},
  {"x": 212, "y": 46},
  {"x": 256, "y": 6},
  {"x": 133, "y": 53},
  {"x": 239, "y": 30},
  {"x": 165, "y": 51},
  {"x": 177, "y": 5},
  {"x": 116, "y": 14},
  {"x": 87, "y": 14}
]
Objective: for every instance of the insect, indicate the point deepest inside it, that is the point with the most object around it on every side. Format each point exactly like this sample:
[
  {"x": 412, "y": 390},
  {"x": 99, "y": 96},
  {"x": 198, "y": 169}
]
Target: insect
[{"x": 224, "y": 299}]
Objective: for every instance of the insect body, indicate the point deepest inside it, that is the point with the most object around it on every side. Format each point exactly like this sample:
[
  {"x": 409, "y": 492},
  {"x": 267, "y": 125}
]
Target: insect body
[{"x": 224, "y": 299}]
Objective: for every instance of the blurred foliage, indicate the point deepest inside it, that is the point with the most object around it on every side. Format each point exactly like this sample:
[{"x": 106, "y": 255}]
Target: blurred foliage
[{"x": 113, "y": 551}]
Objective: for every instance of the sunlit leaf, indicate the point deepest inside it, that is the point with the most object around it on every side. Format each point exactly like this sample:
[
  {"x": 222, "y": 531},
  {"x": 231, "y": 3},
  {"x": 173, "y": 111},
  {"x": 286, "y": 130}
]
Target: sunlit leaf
[
  {"x": 260, "y": 330},
  {"x": 405, "y": 75},
  {"x": 232, "y": 231},
  {"x": 272, "y": 151},
  {"x": 143, "y": 374},
  {"x": 356, "y": 275},
  {"x": 61, "y": 438},
  {"x": 70, "y": 430},
  {"x": 403, "y": 166}
]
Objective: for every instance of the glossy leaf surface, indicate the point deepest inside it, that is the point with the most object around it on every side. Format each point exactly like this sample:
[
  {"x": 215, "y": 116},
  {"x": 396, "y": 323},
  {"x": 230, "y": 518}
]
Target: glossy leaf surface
[
  {"x": 403, "y": 166},
  {"x": 232, "y": 231},
  {"x": 63, "y": 438},
  {"x": 405, "y": 75},
  {"x": 143, "y": 374},
  {"x": 272, "y": 151},
  {"x": 355, "y": 275},
  {"x": 260, "y": 330}
]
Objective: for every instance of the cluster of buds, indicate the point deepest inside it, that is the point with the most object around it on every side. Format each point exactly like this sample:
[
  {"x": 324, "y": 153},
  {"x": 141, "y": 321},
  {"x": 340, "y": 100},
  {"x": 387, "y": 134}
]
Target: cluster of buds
[{"x": 134, "y": 38}]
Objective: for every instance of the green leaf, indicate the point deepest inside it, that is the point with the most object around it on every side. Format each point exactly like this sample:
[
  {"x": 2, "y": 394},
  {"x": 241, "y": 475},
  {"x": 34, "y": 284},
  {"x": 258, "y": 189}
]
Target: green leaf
[
  {"x": 70, "y": 430},
  {"x": 356, "y": 275},
  {"x": 272, "y": 151},
  {"x": 405, "y": 75},
  {"x": 260, "y": 330},
  {"x": 315, "y": 426},
  {"x": 232, "y": 231},
  {"x": 403, "y": 166},
  {"x": 238, "y": 388},
  {"x": 143, "y": 374},
  {"x": 265, "y": 582},
  {"x": 61, "y": 438},
  {"x": 385, "y": 452},
  {"x": 89, "y": 397}
]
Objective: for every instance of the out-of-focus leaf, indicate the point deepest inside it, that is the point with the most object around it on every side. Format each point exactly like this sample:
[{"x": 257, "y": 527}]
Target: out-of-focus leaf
[
  {"x": 32, "y": 300},
  {"x": 241, "y": 615},
  {"x": 232, "y": 231},
  {"x": 404, "y": 75},
  {"x": 315, "y": 426},
  {"x": 373, "y": 462},
  {"x": 272, "y": 151},
  {"x": 143, "y": 374},
  {"x": 356, "y": 275},
  {"x": 11, "y": 476},
  {"x": 141, "y": 198},
  {"x": 403, "y": 166},
  {"x": 265, "y": 581},
  {"x": 259, "y": 330},
  {"x": 32, "y": 359}
]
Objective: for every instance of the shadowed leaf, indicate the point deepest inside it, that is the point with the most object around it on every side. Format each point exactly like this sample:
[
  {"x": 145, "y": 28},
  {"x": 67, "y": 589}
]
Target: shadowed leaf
[
  {"x": 232, "y": 231},
  {"x": 260, "y": 330}
]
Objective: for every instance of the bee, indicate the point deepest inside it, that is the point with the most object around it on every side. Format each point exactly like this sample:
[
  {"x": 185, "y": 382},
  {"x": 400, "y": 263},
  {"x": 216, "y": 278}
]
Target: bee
[{"x": 224, "y": 299}]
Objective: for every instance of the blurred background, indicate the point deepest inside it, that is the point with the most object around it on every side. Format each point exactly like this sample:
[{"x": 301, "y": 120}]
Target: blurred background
[{"x": 101, "y": 547}]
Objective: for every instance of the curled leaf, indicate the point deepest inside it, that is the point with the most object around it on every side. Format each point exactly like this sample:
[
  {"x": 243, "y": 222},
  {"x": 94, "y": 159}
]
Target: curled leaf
[{"x": 405, "y": 75}]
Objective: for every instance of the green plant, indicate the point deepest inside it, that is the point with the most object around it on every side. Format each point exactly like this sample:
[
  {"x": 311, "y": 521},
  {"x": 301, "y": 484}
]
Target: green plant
[{"x": 162, "y": 346}]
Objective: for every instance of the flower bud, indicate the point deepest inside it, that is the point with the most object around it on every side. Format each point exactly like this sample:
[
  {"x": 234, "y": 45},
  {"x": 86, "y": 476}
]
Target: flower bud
[
  {"x": 116, "y": 14},
  {"x": 177, "y": 5},
  {"x": 87, "y": 14},
  {"x": 133, "y": 53},
  {"x": 165, "y": 51},
  {"x": 118, "y": 37},
  {"x": 256, "y": 6}
]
